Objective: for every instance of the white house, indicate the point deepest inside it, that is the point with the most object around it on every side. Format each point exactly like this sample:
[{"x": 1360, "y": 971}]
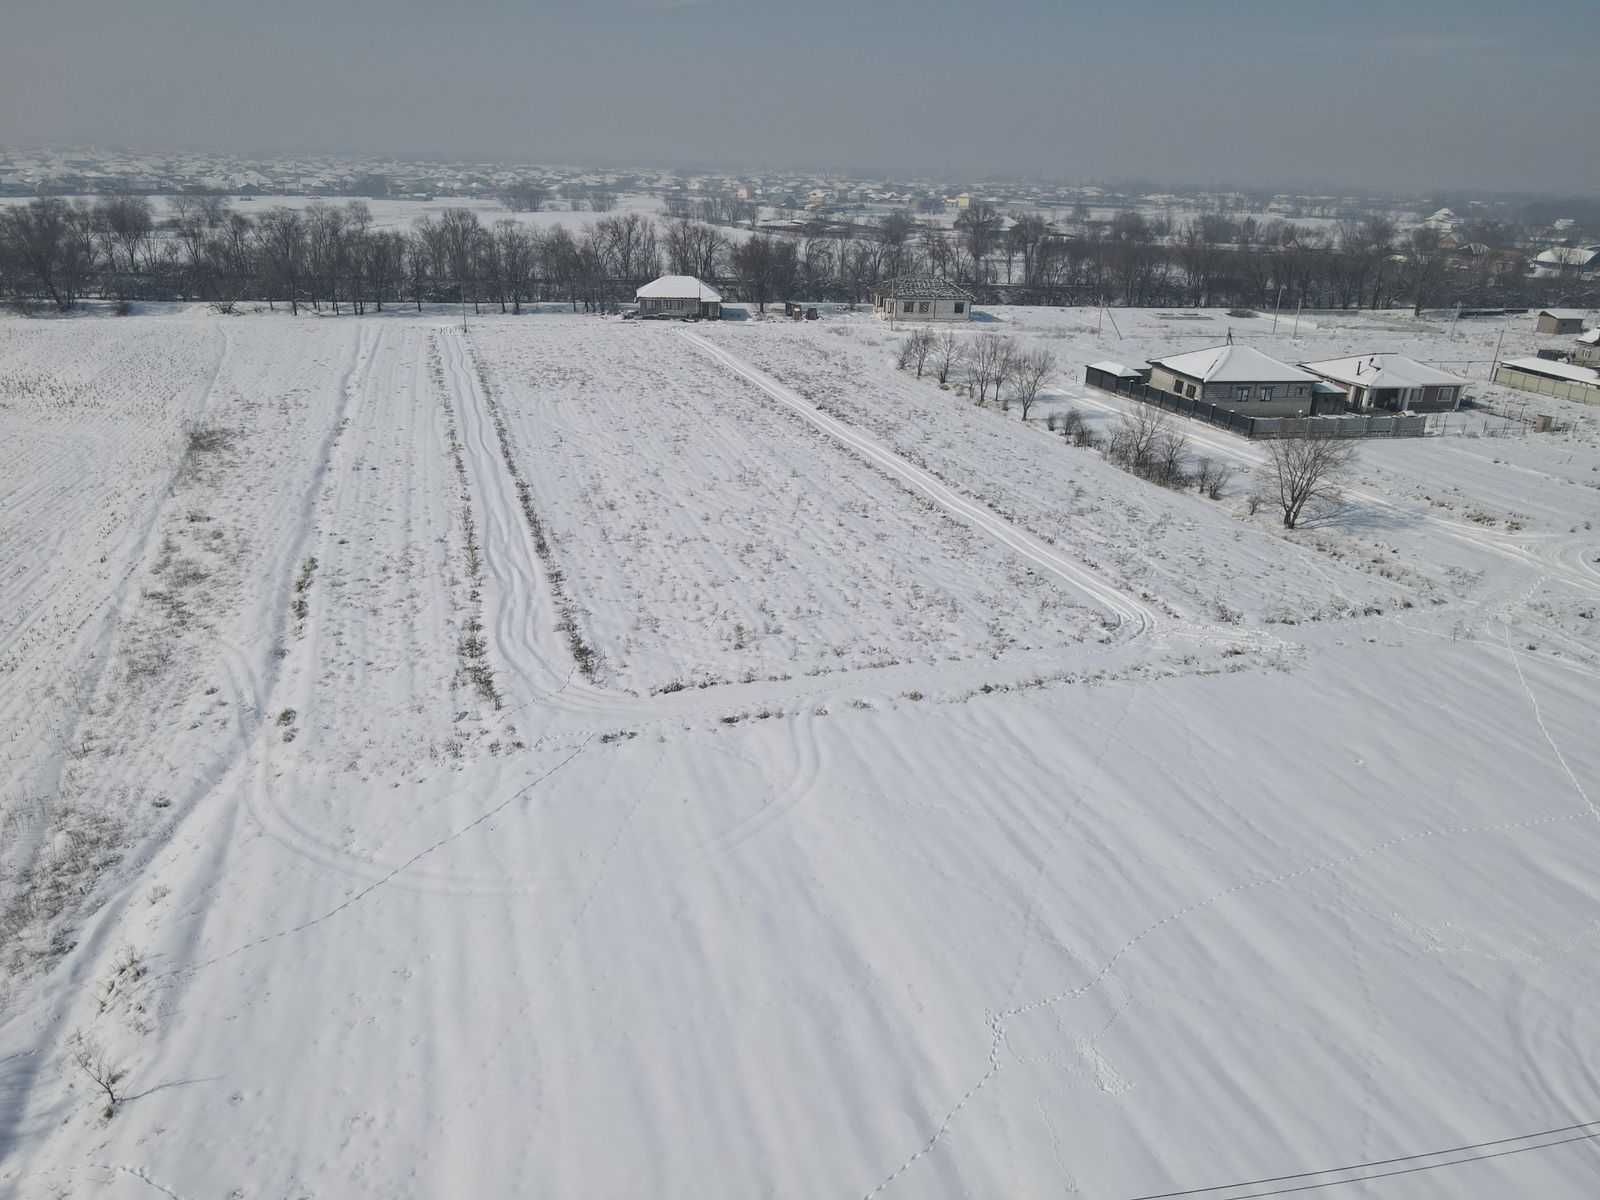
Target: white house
[
  {"x": 922, "y": 298},
  {"x": 1240, "y": 379},
  {"x": 1390, "y": 381},
  {"x": 679, "y": 296}
]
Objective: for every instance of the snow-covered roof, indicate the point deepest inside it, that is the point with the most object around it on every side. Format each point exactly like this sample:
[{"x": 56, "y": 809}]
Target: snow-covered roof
[
  {"x": 1233, "y": 364},
  {"x": 1554, "y": 370},
  {"x": 678, "y": 287},
  {"x": 1382, "y": 371},
  {"x": 1563, "y": 314},
  {"x": 1114, "y": 368},
  {"x": 1590, "y": 337},
  {"x": 1568, "y": 256}
]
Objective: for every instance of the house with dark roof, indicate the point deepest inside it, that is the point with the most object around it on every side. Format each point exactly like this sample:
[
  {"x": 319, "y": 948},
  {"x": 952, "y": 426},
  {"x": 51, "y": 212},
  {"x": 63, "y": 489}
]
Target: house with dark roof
[
  {"x": 1390, "y": 382},
  {"x": 1242, "y": 379},
  {"x": 921, "y": 298}
]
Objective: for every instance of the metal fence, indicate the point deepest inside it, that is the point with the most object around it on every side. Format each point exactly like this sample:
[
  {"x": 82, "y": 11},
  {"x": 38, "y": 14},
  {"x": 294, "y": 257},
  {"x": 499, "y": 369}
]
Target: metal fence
[{"x": 1354, "y": 426}]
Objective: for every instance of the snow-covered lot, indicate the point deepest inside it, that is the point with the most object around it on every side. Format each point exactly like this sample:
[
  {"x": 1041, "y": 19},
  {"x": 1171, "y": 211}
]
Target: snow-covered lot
[{"x": 578, "y": 758}]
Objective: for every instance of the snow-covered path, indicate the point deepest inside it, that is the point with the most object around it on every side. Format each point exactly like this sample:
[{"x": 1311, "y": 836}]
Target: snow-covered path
[{"x": 1128, "y": 610}]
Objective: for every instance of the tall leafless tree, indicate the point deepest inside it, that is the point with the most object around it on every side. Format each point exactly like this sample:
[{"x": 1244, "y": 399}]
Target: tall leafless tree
[
  {"x": 1303, "y": 470},
  {"x": 1034, "y": 371}
]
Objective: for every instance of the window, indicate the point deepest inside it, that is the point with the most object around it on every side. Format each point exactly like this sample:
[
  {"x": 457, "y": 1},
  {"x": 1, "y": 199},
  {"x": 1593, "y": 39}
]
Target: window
[
  {"x": 909, "y": 306},
  {"x": 923, "y": 307},
  {"x": 1266, "y": 393},
  {"x": 1242, "y": 392},
  {"x": 1299, "y": 389},
  {"x": 960, "y": 308}
]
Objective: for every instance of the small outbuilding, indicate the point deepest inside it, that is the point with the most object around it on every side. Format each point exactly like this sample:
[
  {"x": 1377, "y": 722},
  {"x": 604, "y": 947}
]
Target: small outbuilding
[
  {"x": 681, "y": 296},
  {"x": 1390, "y": 382},
  {"x": 1559, "y": 320},
  {"x": 921, "y": 298},
  {"x": 1240, "y": 379}
]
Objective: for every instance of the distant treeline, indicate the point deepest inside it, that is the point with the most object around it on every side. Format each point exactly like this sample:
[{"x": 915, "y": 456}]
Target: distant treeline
[{"x": 58, "y": 252}]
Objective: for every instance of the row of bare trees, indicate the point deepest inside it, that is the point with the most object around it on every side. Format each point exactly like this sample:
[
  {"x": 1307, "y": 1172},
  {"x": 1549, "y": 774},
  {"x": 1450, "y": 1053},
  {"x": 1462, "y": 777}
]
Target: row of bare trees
[
  {"x": 199, "y": 247},
  {"x": 335, "y": 256},
  {"x": 996, "y": 370}
]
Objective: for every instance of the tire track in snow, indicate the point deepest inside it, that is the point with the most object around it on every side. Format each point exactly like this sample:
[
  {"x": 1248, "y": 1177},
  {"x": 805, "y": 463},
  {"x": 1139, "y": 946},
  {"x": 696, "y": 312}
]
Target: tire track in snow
[
  {"x": 356, "y": 897},
  {"x": 1128, "y": 611}
]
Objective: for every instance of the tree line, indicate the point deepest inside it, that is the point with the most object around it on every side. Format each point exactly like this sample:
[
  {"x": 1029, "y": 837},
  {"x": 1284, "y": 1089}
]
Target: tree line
[{"x": 57, "y": 252}]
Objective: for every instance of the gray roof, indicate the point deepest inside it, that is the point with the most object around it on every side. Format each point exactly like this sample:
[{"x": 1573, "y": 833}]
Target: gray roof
[{"x": 923, "y": 287}]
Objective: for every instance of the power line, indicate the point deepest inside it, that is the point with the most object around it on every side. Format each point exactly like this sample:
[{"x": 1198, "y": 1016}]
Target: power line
[{"x": 1384, "y": 1162}]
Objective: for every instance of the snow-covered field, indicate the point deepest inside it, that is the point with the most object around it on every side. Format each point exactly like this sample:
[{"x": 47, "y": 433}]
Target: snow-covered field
[{"x": 575, "y": 757}]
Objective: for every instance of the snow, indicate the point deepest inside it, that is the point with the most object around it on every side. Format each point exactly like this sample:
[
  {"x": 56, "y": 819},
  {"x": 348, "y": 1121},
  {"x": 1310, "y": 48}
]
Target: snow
[
  {"x": 1233, "y": 364},
  {"x": 678, "y": 287},
  {"x": 1383, "y": 371},
  {"x": 1555, "y": 368},
  {"x": 1127, "y": 843}
]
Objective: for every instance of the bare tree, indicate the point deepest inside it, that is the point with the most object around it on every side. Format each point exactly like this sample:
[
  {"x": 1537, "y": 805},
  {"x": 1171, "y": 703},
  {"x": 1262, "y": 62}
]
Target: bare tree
[
  {"x": 282, "y": 236},
  {"x": 914, "y": 351},
  {"x": 988, "y": 361},
  {"x": 1211, "y": 477},
  {"x": 53, "y": 244},
  {"x": 524, "y": 196},
  {"x": 90, "y": 1058},
  {"x": 1005, "y": 371},
  {"x": 1134, "y": 443},
  {"x": 1033, "y": 372},
  {"x": 947, "y": 355},
  {"x": 1307, "y": 469},
  {"x": 514, "y": 252}
]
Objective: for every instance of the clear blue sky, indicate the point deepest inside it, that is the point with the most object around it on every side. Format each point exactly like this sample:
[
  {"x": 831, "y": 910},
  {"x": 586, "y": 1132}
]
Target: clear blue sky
[{"x": 1425, "y": 95}]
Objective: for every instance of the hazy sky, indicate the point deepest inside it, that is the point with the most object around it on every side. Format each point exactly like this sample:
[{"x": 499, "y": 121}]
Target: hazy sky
[{"x": 1411, "y": 95}]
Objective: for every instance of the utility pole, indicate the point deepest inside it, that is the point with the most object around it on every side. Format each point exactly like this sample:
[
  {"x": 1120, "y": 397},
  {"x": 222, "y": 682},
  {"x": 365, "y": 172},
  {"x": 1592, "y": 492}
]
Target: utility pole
[
  {"x": 1276, "y": 305},
  {"x": 1498, "y": 342},
  {"x": 1295, "y": 333}
]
